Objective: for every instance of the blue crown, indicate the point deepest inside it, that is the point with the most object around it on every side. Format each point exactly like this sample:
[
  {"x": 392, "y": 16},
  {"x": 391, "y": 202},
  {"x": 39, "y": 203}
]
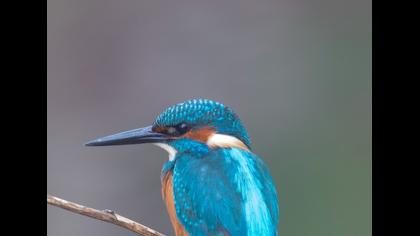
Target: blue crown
[{"x": 204, "y": 112}]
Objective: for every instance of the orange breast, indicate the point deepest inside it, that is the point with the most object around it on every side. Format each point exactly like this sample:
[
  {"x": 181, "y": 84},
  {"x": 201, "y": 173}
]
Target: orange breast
[{"x": 168, "y": 197}]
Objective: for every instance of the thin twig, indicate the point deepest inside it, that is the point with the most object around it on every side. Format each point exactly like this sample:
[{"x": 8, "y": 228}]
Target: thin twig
[{"x": 107, "y": 216}]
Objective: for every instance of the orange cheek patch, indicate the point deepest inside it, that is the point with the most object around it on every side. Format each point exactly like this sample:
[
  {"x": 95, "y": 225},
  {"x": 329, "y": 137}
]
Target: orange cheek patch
[{"x": 201, "y": 135}]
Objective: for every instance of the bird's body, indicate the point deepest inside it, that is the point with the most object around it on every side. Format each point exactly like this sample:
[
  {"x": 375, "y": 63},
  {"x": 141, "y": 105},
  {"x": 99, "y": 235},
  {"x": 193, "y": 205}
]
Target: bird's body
[{"x": 212, "y": 183}]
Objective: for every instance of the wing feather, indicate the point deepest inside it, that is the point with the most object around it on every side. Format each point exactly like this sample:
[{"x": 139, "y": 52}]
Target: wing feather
[{"x": 227, "y": 192}]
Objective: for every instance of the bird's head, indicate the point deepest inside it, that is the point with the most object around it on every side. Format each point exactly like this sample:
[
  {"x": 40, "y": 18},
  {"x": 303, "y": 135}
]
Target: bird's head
[{"x": 197, "y": 120}]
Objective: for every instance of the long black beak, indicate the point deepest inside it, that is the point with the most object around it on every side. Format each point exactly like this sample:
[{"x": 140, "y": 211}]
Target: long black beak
[{"x": 135, "y": 136}]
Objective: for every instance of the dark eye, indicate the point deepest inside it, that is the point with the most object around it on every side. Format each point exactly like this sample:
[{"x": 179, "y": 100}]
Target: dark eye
[
  {"x": 177, "y": 130},
  {"x": 182, "y": 128}
]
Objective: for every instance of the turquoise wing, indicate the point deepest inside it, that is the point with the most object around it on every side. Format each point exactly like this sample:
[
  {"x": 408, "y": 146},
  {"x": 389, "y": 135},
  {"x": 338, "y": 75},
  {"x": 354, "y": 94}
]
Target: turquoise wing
[{"x": 227, "y": 192}]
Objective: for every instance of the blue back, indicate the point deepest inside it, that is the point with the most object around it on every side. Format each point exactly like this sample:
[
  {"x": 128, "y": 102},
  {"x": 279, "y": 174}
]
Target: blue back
[{"x": 222, "y": 191}]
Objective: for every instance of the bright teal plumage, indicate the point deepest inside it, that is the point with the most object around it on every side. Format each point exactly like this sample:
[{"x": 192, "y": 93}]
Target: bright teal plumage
[{"x": 217, "y": 185}]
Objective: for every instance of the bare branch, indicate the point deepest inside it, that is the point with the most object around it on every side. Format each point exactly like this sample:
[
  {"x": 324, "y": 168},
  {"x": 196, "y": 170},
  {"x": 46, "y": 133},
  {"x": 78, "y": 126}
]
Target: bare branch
[{"x": 106, "y": 215}]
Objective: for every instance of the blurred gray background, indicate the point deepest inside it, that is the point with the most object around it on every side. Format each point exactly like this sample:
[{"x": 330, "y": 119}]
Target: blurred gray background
[{"x": 298, "y": 73}]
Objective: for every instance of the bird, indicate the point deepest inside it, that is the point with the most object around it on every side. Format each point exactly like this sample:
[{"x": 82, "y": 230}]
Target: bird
[{"x": 212, "y": 183}]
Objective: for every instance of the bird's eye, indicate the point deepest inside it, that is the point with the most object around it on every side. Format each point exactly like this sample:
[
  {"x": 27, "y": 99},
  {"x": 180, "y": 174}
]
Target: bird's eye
[
  {"x": 177, "y": 130},
  {"x": 182, "y": 128}
]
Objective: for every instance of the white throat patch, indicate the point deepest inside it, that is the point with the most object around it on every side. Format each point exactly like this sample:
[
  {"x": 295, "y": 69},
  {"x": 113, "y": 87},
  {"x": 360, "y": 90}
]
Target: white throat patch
[
  {"x": 169, "y": 149},
  {"x": 225, "y": 141}
]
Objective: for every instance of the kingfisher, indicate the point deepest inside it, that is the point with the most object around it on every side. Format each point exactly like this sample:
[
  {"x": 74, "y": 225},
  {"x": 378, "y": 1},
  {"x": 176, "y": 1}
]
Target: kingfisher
[{"x": 212, "y": 184}]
